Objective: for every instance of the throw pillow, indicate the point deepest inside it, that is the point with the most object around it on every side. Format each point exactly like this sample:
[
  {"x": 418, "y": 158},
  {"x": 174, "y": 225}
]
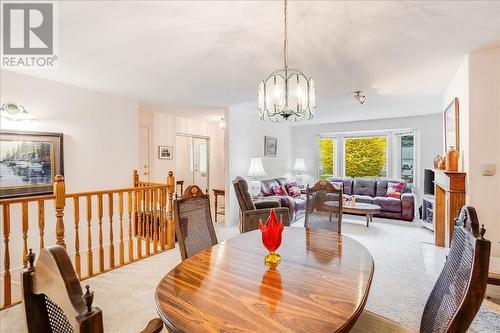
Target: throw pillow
[
  {"x": 292, "y": 189},
  {"x": 338, "y": 185},
  {"x": 394, "y": 190},
  {"x": 279, "y": 190}
]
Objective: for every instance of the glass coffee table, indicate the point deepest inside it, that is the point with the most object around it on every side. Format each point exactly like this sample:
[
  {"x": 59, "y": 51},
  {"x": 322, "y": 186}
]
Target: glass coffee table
[{"x": 364, "y": 209}]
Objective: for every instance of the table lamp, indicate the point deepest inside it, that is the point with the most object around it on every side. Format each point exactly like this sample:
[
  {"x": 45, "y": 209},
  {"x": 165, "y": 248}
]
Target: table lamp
[
  {"x": 255, "y": 171},
  {"x": 299, "y": 167}
]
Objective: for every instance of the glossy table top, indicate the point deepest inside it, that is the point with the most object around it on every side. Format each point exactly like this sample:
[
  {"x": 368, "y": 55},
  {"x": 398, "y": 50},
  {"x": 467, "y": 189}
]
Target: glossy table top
[{"x": 321, "y": 285}]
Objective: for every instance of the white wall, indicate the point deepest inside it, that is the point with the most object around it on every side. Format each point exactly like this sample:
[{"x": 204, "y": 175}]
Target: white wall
[
  {"x": 428, "y": 131},
  {"x": 477, "y": 85},
  {"x": 100, "y": 130},
  {"x": 245, "y": 139}
]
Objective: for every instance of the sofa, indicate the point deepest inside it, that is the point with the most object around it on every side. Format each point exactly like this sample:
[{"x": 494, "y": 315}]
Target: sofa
[
  {"x": 295, "y": 205},
  {"x": 373, "y": 191},
  {"x": 252, "y": 211}
]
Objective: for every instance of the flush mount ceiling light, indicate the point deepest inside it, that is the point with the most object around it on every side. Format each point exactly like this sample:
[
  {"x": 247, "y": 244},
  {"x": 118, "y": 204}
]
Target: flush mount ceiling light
[
  {"x": 360, "y": 96},
  {"x": 14, "y": 111},
  {"x": 287, "y": 94}
]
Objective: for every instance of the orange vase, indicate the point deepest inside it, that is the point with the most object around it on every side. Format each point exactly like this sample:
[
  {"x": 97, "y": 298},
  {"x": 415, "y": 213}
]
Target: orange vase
[
  {"x": 452, "y": 159},
  {"x": 442, "y": 163}
]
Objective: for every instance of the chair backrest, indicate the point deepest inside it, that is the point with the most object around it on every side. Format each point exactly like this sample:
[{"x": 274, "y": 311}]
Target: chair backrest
[
  {"x": 324, "y": 206},
  {"x": 193, "y": 222},
  {"x": 53, "y": 298},
  {"x": 242, "y": 194},
  {"x": 460, "y": 288}
]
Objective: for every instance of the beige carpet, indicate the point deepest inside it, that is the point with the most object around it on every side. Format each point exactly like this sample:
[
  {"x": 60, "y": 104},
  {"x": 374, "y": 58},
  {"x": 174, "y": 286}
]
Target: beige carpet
[{"x": 406, "y": 266}]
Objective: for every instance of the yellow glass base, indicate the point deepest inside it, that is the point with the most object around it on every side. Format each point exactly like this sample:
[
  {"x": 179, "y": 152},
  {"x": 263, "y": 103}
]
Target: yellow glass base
[{"x": 272, "y": 258}]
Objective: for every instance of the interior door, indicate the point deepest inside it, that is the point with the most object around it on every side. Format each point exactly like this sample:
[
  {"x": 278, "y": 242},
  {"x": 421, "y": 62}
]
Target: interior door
[
  {"x": 200, "y": 162},
  {"x": 144, "y": 149}
]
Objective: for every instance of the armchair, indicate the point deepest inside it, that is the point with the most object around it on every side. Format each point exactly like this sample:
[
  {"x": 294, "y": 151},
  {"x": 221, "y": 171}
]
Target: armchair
[{"x": 253, "y": 211}]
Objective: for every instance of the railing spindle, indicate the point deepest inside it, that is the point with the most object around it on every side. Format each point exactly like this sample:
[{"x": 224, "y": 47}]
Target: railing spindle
[
  {"x": 130, "y": 242},
  {"x": 170, "y": 223},
  {"x": 25, "y": 233},
  {"x": 76, "y": 208},
  {"x": 7, "y": 291},
  {"x": 90, "y": 261},
  {"x": 111, "y": 245},
  {"x": 101, "y": 247},
  {"x": 147, "y": 211},
  {"x": 162, "y": 219},
  {"x": 120, "y": 220},
  {"x": 59, "y": 203},
  {"x": 155, "y": 224},
  {"x": 138, "y": 223},
  {"x": 41, "y": 222}
]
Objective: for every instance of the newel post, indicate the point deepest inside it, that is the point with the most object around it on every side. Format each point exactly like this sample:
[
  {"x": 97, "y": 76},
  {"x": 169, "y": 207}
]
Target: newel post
[
  {"x": 135, "y": 178},
  {"x": 59, "y": 203},
  {"x": 170, "y": 223}
]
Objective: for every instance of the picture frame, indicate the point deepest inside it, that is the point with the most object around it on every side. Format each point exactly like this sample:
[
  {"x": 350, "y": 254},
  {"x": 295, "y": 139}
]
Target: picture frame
[
  {"x": 270, "y": 146},
  {"x": 451, "y": 123},
  {"x": 29, "y": 161},
  {"x": 165, "y": 152}
]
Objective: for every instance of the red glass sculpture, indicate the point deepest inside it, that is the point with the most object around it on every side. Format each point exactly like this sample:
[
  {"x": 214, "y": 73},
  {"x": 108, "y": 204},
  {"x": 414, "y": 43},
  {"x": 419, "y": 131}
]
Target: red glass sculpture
[{"x": 271, "y": 238}]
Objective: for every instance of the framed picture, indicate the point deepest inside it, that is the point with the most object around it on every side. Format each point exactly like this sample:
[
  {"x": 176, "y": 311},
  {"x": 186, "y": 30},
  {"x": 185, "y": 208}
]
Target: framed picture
[
  {"x": 270, "y": 146},
  {"x": 451, "y": 126},
  {"x": 29, "y": 161},
  {"x": 165, "y": 152}
]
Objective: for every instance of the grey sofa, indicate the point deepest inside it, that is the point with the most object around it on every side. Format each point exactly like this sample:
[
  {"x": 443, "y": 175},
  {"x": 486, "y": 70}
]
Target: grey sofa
[{"x": 374, "y": 191}]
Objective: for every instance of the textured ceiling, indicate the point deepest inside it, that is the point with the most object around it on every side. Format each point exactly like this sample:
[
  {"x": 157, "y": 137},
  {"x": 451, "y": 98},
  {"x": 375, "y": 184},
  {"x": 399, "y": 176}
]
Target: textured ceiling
[{"x": 214, "y": 53}]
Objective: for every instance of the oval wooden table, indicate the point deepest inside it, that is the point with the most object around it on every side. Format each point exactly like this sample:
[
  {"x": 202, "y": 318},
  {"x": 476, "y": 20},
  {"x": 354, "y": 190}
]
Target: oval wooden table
[{"x": 321, "y": 285}]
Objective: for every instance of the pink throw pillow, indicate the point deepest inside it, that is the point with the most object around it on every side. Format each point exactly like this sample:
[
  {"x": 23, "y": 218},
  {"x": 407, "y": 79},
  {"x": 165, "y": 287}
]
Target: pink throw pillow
[
  {"x": 279, "y": 190},
  {"x": 394, "y": 190},
  {"x": 292, "y": 189}
]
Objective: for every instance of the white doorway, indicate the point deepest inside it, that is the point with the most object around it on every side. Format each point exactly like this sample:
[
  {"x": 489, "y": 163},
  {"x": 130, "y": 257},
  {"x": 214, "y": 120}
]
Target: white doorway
[
  {"x": 192, "y": 162},
  {"x": 144, "y": 168}
]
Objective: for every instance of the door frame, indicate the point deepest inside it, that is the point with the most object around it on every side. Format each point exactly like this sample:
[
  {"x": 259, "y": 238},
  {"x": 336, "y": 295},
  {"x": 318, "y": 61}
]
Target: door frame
[
  {"x": 196, "y": 136},
  {"x": 148, "y": 152}
]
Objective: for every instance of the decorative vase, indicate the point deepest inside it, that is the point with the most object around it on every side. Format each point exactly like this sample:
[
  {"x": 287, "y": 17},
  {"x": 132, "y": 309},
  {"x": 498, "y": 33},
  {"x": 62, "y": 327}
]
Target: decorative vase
[
  {"x": 452, "y": 159},
  {"x": 436, "y": 161},
  {"x": 442, "y": 163},
  {"x": 271, "y": 238}
]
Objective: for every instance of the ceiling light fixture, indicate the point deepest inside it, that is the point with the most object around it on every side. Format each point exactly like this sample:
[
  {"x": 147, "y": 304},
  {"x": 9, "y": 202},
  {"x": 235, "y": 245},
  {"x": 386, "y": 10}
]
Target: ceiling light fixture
[
  {"x": 360, "y": 96},
  {"x": 287, "y": 94},
  {"x": 13, "y": 111}
]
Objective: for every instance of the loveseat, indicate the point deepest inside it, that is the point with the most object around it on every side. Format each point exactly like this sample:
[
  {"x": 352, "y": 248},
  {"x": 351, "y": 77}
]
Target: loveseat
[
  {"x": 296, "y": 205},
  {"x": 374, "y": 191}
]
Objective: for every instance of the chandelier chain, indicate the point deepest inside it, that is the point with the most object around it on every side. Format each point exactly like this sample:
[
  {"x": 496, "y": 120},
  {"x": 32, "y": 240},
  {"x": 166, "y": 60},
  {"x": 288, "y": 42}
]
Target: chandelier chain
[{"x": 285, "y": 41}]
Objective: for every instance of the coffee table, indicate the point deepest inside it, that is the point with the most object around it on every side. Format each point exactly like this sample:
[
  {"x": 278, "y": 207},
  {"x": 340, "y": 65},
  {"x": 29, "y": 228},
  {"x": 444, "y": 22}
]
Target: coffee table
[{"x": 362, "y": 208}]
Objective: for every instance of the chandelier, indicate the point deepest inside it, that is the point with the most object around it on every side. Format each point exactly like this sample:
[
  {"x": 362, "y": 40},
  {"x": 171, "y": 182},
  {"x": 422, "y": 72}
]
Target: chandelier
[{"x": 287, "y": 94}]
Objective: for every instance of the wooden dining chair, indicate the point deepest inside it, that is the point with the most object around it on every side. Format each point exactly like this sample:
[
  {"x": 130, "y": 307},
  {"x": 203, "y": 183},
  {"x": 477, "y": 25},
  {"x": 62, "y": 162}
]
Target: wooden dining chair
[
  {"x": 324, "y": 207},
  {"x": 193, "y": 222},
  {"x": 53, "y": 298},
  {"x": 459, "y": 289}
]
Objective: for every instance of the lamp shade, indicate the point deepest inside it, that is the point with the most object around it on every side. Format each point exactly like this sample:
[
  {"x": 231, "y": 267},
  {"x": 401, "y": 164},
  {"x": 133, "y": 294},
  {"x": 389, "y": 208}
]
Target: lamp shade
[
  {"x": 256, "y": 169},
  {"x": 300, "y": 165}
]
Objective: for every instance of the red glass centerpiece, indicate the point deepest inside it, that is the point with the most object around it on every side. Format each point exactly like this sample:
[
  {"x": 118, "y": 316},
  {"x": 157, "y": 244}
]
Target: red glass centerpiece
[{"x": 271, "y": 237}]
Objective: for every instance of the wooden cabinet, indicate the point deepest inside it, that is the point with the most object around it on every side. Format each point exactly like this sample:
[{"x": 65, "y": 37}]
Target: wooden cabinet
[{"x": 449, "y": 197}]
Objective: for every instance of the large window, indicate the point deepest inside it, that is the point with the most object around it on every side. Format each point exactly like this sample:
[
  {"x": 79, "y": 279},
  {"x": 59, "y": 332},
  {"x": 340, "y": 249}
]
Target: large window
[
  {"x": 366, "y": 156},
  {"x": 384, "y": 154},
  {"x": 326, "y": 158}
]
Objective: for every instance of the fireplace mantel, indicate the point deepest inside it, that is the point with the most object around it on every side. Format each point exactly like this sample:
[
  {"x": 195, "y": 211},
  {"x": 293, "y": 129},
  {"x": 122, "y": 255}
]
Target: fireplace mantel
[{"x": 449, "y": 191}]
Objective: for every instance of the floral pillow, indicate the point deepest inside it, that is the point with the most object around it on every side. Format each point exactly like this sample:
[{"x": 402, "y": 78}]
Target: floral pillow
[
  {"x": 279, "y": 190},
  {"x": 292, "y": 189},
  {"x": 394, "y": 190}
]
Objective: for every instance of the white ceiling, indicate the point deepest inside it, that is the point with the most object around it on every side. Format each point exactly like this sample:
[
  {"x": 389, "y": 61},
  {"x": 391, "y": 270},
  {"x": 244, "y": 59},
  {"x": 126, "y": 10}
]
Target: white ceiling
[{"x": 214, "y": 53}]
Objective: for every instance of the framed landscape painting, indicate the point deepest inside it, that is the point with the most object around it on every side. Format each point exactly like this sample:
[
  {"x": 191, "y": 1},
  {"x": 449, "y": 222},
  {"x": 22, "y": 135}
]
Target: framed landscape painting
[
  {"x": 29, "y": 161},
  {"x": 270, "y": 146}
]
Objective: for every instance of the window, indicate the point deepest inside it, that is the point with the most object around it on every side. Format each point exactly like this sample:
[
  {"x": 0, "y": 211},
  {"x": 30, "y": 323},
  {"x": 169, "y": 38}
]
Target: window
[
  {"x": 407, "y": 144},
  {"x": 326, "y": 158},
  {"x": 366, "y": 156}
]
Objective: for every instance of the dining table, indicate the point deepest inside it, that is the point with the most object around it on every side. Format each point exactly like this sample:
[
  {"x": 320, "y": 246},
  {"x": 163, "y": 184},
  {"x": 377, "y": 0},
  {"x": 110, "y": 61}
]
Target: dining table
[{"x": 321, "y": 285}]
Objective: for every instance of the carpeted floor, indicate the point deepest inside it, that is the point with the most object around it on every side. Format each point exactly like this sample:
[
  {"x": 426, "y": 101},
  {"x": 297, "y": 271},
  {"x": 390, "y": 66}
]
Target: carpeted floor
[{"x": 406, "y": 267}]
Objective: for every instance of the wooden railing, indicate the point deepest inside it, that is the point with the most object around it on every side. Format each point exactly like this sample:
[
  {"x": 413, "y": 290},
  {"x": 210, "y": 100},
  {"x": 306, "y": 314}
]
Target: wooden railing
[{"x": 119, "y": 226}]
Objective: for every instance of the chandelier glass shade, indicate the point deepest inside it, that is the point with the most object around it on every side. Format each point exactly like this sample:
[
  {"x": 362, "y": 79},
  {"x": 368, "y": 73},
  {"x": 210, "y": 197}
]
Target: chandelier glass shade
[{"x": 287, "y": 94}]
